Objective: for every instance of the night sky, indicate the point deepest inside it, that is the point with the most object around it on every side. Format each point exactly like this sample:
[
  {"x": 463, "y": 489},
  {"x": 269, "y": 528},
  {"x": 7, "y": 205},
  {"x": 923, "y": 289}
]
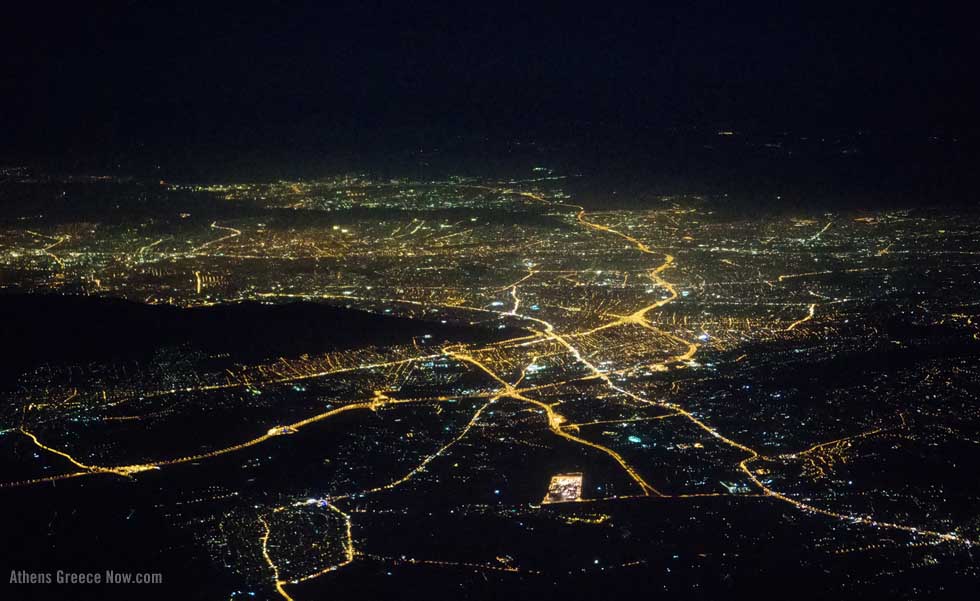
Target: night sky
[{"x": 322, "y": 77}]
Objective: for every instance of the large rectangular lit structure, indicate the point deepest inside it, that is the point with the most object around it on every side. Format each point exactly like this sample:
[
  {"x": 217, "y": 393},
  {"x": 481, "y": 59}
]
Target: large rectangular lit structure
[{"x": 564, "y": 488}]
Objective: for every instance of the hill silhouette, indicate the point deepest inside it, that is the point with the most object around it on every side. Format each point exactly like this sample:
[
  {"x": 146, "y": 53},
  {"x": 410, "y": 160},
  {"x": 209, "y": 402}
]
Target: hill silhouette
[{"x": 40, "y": 329}]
